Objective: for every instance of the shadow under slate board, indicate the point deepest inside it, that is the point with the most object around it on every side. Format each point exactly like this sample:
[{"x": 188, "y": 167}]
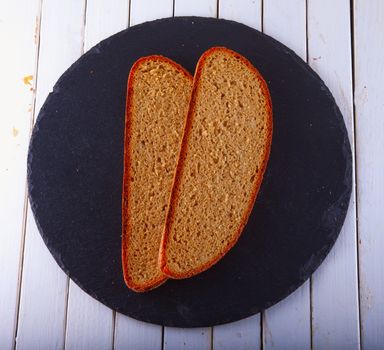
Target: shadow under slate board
[{"x": 75, "y": 169}]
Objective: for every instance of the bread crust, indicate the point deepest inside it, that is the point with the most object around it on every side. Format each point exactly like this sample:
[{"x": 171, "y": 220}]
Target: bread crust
[
  {"x": 176, "y": 188},
  {"x": 126, "y": 224}
]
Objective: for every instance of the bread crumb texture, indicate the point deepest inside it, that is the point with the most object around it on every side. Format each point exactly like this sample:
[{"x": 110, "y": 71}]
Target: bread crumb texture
[
  {"x": 224, "y": 156},
  {"x": 160, "y": 93}
]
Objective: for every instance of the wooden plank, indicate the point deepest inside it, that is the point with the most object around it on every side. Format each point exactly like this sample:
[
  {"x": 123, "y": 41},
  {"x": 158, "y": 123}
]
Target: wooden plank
[
  {"x": 248, "y": 12},
  {"x": 19, "y": 22},
  {"x": 133, "y": 334},
  {"x": 90, "y": 324},
  {"x": 44, "y": 286},
  {"x": 187, "y": 338},
  {"x": 369, "y": 77},
  {"x": 148, "y": 10},
  {"x": 43, "y": 296},
  {"x": 130, "y": 333},
  {"x": 286, "y": 21},
  {"x": 203, "y": 8},
  {"x": 104, "y": 19},
  {"x": 335, "y": 311},
  {"x": 244, "y": 334},
  {"x": 287, "y": 325}
]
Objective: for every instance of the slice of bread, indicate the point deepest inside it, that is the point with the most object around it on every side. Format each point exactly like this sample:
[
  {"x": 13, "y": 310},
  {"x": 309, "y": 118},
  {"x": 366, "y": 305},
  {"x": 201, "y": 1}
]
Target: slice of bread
[
  {"x": 224, "y": 154},
  {"x": 158, "y": 96}
]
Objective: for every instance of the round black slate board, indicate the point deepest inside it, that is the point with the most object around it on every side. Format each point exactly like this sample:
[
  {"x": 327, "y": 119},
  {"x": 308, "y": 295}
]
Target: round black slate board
[{"x": 75, "y": 168}]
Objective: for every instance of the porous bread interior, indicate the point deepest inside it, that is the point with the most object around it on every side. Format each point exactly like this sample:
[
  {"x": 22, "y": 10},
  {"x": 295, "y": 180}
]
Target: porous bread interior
[
  {"x": 226, "y": 151},
  {"x": 159, "y": 109}
]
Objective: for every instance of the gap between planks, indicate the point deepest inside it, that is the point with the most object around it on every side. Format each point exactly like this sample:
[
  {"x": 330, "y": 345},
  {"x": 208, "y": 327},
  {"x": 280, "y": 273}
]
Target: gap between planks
[
  {"x": 310, "y": 278},
  {"x": 352, "y": 32},
  {"x": 26, "y": 201}
]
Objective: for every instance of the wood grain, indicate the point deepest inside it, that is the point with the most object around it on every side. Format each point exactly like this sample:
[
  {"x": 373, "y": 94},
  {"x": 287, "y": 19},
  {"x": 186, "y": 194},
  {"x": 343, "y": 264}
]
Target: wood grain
[
  {"x": 335, "y": 311},
  {"x": 369, "y": 77},
  {"x": 19, "y": 21}
]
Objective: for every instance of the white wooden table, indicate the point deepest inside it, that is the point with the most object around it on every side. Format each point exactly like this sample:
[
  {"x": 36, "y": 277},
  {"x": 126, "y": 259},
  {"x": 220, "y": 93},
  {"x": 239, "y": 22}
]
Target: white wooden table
[{"x": 341, "y": 307}]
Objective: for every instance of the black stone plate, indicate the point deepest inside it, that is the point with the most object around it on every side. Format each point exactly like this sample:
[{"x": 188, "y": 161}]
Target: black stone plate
[{"x": 75, "y": 168}]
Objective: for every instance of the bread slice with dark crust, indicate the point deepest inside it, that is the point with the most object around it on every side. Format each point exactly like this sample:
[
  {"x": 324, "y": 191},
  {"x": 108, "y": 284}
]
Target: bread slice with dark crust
[
  {"x": 224, "y": 154},
  {"x": 156, "y": 109}
]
